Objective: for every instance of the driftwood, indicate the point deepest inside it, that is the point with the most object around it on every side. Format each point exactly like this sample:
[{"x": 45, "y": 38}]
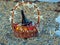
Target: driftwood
[{"x": 57, "y": 10}]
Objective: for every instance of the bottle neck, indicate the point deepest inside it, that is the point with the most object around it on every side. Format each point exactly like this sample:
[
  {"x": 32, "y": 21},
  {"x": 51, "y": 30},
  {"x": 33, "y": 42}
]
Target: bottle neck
[{"x": 23, "y": 15}]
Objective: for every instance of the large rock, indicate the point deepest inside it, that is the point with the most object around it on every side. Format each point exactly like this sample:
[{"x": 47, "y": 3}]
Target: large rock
[
  {"x": 58, "y": 19},
  {"x": 57, "y": 33}
]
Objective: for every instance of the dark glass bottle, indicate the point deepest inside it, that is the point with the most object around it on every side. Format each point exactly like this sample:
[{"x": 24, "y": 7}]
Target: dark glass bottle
[{"x": 25, "y": 21}]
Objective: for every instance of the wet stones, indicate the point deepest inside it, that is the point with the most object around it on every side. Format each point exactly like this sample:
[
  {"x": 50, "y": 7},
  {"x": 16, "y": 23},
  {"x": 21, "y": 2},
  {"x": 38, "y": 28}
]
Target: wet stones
[{"x": 2, "y": 44}]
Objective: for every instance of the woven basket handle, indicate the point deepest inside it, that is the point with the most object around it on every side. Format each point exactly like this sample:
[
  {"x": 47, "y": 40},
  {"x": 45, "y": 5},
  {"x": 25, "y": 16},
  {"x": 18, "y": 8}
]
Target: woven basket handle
[{"x": 24, "y": 3}]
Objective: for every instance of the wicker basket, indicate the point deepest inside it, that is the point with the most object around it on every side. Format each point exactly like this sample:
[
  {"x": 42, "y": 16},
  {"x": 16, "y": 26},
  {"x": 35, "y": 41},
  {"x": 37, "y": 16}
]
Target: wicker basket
[{"x": 24, "y": 31}]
